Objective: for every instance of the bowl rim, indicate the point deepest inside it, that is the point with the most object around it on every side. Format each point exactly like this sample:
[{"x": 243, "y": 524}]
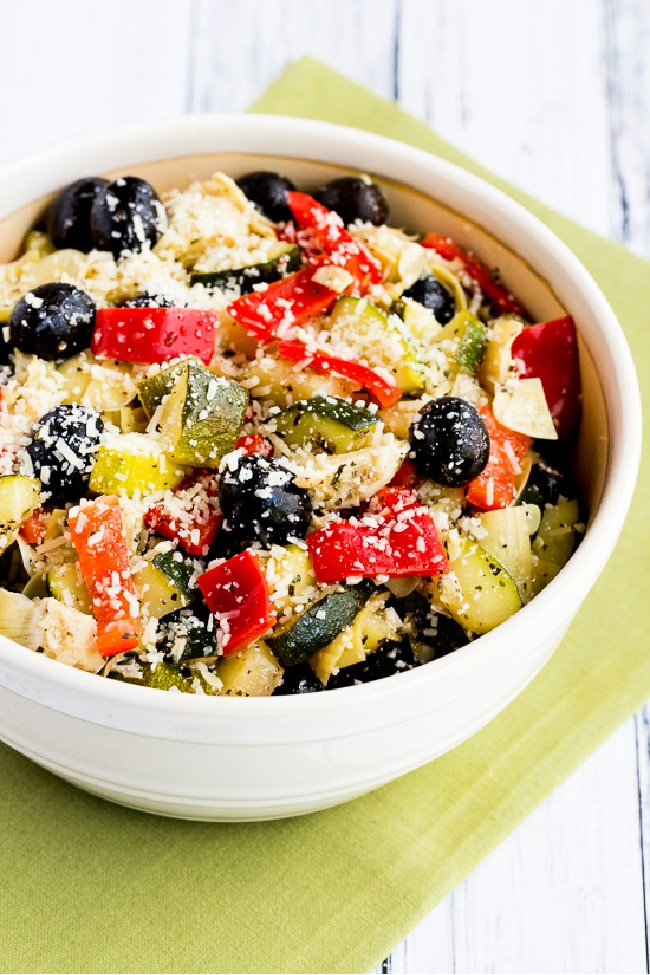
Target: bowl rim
[{"x": 45, "y": 169}]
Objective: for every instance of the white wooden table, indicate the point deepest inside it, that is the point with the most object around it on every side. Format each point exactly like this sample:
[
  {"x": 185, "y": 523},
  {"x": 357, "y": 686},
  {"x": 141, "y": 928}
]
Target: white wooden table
[{"x": 554, "y": 97}]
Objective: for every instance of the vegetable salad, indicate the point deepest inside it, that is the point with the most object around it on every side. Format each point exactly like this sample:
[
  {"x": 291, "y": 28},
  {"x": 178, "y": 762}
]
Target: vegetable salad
[{"x": 256, "y": 440}]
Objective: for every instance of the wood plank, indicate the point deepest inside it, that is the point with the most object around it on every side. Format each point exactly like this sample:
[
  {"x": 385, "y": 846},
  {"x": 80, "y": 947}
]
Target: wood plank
[
  {"x": 240, "y": 52},
  {"x": 508, "y": 83},
  {"x": 625, "y": 56},
  {"x": 75, "y": 71},
  {"x": 564, "y": 893},
  {"x": 626, "y": 77}
]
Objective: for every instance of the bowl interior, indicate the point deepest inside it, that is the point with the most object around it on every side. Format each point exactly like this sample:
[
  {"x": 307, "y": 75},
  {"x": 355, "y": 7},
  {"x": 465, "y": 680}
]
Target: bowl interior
[
  {"x": 232, "y": 758},
  {"x": 415, "y": 212}
]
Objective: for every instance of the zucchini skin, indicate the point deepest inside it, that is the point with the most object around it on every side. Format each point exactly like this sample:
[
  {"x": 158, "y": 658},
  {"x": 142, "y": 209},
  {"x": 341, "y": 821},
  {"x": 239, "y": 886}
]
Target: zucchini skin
[
  {"x": 487, "y": 594},
  {"x": 202, "y": 416},
  {"x": 165, "y": 676},
  {"x": 64, "y": 583},
  {"x": 332, "y": 424},
  {"x": 245, "y": 278},
  {"x": 319, "y": 624},
  {"x": 153, "y": 389}
]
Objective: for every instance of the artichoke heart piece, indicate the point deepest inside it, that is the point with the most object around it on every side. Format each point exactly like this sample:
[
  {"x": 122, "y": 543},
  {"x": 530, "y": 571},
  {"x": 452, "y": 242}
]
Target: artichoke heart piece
[
  {"x": 253, "y": 672},
  {"x": 523, "y": 407},
  {"x": 201, "y": 418},
  {"x": 373, "y": 624},
  {"x": 345, "y": 480},
  {"x": 497, "y": 365},
  {"x": 464, "y": 335},
  {"x": 19, "y": 497},
  {"x": 377, "y": 338},
  {"x": 19, "y": 619}
]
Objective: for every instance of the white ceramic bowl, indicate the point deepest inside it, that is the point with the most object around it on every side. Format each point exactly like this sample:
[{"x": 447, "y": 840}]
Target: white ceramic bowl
[{"x": 261, "y": 758}]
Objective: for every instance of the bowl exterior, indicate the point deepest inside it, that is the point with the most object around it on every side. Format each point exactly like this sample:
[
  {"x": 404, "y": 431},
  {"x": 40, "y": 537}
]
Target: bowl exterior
[
  {"x": 197, "y": 771},
  {"x": 234, "y": 759}
]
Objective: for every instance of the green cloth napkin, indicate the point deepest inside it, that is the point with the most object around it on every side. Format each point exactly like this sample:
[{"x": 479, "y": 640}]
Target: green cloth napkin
[{"x": 87, "y": 886}]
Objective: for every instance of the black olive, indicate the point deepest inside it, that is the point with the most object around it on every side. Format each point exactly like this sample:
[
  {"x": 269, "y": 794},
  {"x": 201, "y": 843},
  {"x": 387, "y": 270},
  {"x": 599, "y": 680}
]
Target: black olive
[
  {"x": 299, "y": 680},
  {"x": 543, "y": 486},
  {"x": 6, "y": 346},
  {"x": 68, "y": 220},
  {"x": 268, "y": 191},
  {"x": 261, "y": 503},
  {"x": 449, "y": 441},
  {"x": 187, "y": 634},
  {"x": 388, "y": 659},
  {"x": 449, "y": 635},
  {"x": 53, "y": 321},
  {"x": 354, "y": 198},
  {"x": 433, "y": 294},
  {"x": 125, "y": 215},
  {"x": 144, "y": 299},
  {"x": 556, "y": 454},
  {"x": 62, "y": 450},
  {"x": 440, "y": 634}
]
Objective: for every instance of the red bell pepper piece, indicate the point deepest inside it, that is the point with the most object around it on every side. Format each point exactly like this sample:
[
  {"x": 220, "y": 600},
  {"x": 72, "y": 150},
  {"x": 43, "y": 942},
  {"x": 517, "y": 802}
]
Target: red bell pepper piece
[
  {"x": 325, "y": 233},
  {"x": 299, "y": 297},
  {"x": 495, "y": 485},
  {"x": 97, "y": 533},
  {"x": 255, "y": 443},
  {"x": 34, "y": 527},
  {"x": 407, "y": 475},
  {"x": 285, "y": 304},
  {"x": 237, "y": 593},
  {"x": 549, "y": 352},
  {"x": 393, "y": 497},
  {"x": 382, "y": 391},
  {"x": 400, "y": 543},
  {"x": 497, "y": 295},
  {"x": 193, "y": 518},
  {"x": 154, "y": 334}
]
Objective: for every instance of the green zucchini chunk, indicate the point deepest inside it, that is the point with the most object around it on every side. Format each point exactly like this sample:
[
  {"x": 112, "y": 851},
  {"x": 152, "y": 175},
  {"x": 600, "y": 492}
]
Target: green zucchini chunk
[
  {"x": 64, "y": 582},
  {"x": 485, "y": 593},
  {"x": 555, "y": 541},
  {"x": 328, "y": 423},
  {"x": 164, "y": 677},
  {"x": 201, "y": 417},
  {"x": 320, "y": 624},
  {"x": 466, "y": 335},
  {"x": 163, "y": 584},
  {"x": 153, "y": 389},
  {"x": 379, "y": 339},
  {"x": 245, "y": 278}
]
